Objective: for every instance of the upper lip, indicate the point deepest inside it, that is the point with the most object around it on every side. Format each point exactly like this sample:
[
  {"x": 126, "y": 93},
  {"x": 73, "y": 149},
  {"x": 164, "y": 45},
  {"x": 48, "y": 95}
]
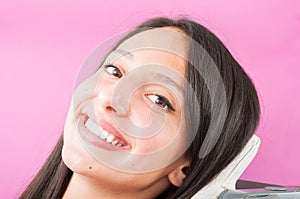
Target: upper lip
[{"x": 110, "y": 129}]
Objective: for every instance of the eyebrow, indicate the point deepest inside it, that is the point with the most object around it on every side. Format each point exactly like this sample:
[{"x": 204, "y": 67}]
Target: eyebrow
[
  {"x": 169, "y": 81},
  {"x": 121, "y": 53}
]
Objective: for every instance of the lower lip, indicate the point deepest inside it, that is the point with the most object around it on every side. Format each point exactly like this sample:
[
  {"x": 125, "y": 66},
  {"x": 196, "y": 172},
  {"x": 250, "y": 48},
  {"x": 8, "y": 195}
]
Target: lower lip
[{"x": 90, "y": 138}]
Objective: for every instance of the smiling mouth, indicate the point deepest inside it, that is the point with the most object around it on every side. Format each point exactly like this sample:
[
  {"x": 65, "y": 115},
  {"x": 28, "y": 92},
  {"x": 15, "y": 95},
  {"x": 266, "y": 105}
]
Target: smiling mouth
[{"x": 105, "y": 135}]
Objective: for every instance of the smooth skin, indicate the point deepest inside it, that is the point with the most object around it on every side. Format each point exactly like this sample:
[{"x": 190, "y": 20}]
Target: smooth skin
[{"x": 93, "y": 97}]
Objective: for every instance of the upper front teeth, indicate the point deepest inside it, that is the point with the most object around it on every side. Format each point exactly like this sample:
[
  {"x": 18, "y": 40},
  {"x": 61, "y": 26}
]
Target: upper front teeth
[
  {"x": 110, "y": 138},
  {"x": 97, "y": 130}
]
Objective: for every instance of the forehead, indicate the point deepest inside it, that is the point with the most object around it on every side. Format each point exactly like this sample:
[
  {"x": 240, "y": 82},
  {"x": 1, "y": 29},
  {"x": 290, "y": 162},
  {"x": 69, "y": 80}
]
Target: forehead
[
  {"x": 163, "y": 46},
  {"x": 167, "y": 38}
]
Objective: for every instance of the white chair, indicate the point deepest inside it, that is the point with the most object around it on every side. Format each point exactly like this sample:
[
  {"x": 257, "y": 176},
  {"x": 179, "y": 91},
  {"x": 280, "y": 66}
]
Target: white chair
[{"x": 229, "y": 176}]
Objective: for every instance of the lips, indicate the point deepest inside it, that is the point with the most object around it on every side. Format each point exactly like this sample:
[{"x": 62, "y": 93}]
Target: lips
[{"x": 102, "y": 134}]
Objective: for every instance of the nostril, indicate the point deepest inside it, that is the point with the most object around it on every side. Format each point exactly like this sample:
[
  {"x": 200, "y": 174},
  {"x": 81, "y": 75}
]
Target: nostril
[{"x": 110, "y": 108}]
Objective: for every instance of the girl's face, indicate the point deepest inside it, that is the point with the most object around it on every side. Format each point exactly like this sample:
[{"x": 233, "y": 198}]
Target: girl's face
[{"x": 125, "y": 128}]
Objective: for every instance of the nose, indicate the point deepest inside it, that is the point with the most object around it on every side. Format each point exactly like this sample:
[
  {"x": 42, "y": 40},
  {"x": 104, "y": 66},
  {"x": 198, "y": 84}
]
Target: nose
[{"x": 109, "y": 100}]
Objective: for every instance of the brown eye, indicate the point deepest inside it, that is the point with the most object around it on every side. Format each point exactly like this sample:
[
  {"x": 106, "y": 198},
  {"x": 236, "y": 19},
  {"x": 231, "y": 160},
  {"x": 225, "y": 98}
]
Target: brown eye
[
  {"x": 161, "y": 101},
  {"x": 113, "y": 70}
]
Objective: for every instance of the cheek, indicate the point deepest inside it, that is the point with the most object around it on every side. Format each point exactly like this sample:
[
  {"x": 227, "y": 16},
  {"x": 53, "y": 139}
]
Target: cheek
[
  {"x": 169, "y": 135},
  {"x": 74, "y": 155},
  {"x": 87, "y": 88},
  {"x": 139, "y": 110}
]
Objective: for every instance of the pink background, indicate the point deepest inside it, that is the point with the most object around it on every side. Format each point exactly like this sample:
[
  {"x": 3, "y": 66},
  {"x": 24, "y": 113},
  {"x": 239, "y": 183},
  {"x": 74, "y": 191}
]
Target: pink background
[{"x": 42, "y": 45}]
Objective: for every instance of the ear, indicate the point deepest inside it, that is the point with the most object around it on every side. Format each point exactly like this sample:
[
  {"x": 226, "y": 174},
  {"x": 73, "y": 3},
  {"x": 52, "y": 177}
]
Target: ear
[{"x": 177, "y": 176}]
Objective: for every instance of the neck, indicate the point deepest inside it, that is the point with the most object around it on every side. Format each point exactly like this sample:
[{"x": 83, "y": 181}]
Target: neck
[{"x": 85, "y": 187}]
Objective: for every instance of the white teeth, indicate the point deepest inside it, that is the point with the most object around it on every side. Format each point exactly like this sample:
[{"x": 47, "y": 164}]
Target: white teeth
[
  {"x": 88, "y": 124},
  {"x": 114, "y": 142},
  {"x": 104, "y": 135},
  {"x": 92, "y": 127},
  {"x": 110, "y": 138}
]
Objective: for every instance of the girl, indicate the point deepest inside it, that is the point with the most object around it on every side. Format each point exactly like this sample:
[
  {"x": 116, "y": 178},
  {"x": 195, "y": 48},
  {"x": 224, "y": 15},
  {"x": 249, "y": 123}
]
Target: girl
[{"x": 167, "y": 111}]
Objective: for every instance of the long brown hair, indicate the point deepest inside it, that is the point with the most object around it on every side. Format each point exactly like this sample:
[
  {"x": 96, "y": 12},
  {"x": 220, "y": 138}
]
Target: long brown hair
[{"x": 243, "y": 113}]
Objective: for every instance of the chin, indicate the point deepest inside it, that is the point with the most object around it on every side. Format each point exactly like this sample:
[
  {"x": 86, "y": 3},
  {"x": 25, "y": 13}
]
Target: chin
[{"x": 76, "y": 157}]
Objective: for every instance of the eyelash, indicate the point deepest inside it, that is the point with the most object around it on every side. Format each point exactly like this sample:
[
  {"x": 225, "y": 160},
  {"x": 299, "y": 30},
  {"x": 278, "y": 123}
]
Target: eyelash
[
  {"x": 107, "y": 67},
  {"x": 167, "y": 107}
]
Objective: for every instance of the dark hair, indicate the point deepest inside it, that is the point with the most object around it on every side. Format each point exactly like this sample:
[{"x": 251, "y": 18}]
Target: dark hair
[{"x": 242, "y": 118}]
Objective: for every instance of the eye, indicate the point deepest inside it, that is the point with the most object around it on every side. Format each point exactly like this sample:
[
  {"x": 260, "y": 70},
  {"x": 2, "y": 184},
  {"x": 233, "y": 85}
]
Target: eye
[
  {"x": 161, "y": 101},
  {"x": 113, "y": 70}
]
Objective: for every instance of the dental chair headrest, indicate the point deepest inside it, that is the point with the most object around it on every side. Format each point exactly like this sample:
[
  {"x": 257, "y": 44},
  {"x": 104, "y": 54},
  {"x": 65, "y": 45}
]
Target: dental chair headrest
[{"x": 229, "y": 176}]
